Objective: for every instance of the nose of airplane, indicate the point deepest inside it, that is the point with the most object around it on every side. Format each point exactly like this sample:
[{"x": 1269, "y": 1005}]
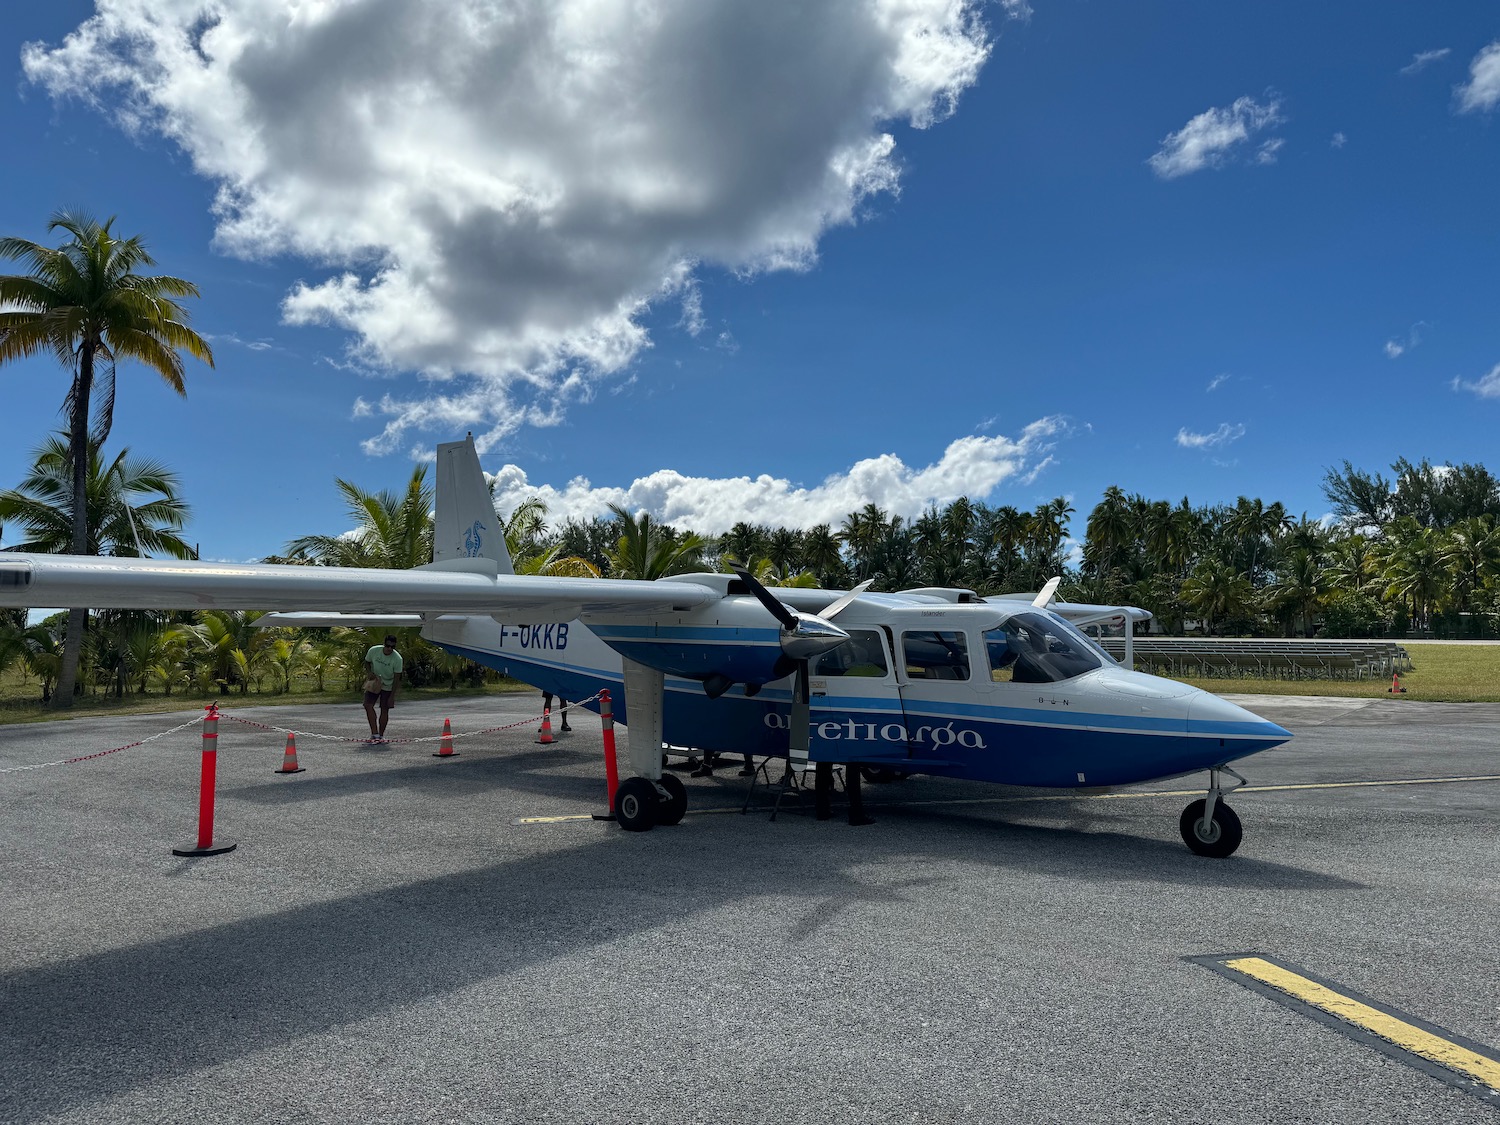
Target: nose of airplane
[{"x": 1210, "y": 715}]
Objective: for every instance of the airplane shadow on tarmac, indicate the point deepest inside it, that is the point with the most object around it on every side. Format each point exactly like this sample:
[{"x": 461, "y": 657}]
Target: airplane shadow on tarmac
[
  {"x": 190, "y": 1002},
  {"x": 527, "y": 772}
]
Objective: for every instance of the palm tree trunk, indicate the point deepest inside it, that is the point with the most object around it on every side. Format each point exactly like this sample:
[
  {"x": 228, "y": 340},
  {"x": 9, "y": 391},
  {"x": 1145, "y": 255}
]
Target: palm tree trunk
[{"x": 78, "y": 444}]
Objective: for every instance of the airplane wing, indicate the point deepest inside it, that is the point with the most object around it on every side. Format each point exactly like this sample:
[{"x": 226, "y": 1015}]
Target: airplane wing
[{"x": 61, "y": 581}]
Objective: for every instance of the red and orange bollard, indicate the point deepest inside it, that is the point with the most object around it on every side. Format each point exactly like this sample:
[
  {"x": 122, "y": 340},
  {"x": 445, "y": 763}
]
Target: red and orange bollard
[
  {"x": 611, "y": 767},
  {"x": 210, "y": 768},
  {"x": 544, "y": 736}
]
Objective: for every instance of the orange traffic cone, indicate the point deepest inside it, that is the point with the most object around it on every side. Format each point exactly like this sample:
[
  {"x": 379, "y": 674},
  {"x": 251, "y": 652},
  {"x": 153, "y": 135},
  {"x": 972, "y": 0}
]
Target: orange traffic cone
[
  {"x": 545, "y": 737},
  {"x": 289, "y": 761},
  {"x": 1395, "y": 683},
  {"x": 445, "y": 744}
]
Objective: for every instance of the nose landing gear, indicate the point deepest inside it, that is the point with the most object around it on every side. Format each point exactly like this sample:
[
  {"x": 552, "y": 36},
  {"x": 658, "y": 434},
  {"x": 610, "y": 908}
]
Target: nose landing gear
[{"x": 1209, "y": 826}]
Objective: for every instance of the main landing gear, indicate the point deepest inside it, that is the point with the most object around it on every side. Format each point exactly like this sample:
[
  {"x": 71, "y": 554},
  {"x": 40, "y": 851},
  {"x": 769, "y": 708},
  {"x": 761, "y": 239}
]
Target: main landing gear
[
  {"x": 641, "y": 804},
  {"x": 1209, "y": 826}
]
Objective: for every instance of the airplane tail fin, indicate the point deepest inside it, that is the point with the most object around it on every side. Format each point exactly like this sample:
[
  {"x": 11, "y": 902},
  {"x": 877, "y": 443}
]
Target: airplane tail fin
[{"x": 466, "y": 526}]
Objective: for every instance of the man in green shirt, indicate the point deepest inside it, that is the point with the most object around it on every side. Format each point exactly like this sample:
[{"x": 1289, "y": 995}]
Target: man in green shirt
[{"x": 383, "y": 664}]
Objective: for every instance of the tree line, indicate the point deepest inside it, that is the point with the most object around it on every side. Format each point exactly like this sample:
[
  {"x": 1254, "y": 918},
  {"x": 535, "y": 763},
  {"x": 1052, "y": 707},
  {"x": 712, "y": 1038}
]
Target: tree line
[{"x": 1418, "y": 549}]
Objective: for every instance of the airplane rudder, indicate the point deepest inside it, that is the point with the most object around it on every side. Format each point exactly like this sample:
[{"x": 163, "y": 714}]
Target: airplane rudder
[{"x": 465, "y": 524}]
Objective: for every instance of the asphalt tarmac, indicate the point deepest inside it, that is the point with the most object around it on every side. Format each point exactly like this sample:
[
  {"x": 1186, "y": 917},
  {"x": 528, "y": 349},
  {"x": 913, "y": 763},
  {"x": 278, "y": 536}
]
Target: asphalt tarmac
[{"x": 390, "y": 942}]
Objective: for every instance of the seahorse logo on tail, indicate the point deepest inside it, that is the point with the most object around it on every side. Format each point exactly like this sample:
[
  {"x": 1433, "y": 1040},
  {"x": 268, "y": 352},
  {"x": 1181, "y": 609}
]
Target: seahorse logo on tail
[{"x": 473, "y": 541}]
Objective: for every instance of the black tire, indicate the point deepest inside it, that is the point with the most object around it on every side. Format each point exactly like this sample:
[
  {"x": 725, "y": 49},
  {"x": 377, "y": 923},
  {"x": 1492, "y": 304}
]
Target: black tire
[
  {"x": 674, "y": 808},
  {"x": 1223, "y": 837},
  {"x": 882, "y": 775},
  {"x": 636, "y": 802}
]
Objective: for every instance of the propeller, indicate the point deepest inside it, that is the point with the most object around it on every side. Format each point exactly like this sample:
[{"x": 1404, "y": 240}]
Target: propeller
[
  {"x": 836, "y": 607},
  {"x": 1044, "y": 599},
  {"x": 803, "y": 636}
]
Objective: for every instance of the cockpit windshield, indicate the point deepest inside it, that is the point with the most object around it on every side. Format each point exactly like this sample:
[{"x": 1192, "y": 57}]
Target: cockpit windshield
[{"x": 1036, "y": 648}]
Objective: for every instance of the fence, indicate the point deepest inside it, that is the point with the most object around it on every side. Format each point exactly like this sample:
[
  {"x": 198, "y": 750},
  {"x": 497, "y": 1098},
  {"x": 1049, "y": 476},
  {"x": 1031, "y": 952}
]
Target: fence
[{"x": 1208, "y": 658}]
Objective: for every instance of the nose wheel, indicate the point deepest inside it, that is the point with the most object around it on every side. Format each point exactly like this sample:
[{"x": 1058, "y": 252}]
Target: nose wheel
[{"x": 1209, "y": 826}]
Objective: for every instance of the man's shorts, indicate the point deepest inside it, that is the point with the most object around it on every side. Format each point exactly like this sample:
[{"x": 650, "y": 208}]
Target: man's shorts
[{"x": 382, "y": 697}]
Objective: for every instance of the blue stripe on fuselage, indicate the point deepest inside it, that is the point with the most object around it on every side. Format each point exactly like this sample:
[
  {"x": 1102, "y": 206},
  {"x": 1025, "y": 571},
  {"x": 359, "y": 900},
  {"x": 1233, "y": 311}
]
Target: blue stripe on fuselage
[{"x": 1009, "y": 745}]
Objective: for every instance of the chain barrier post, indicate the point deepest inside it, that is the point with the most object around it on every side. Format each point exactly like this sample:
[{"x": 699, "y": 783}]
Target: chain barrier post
[
  {"x": 611, "y": 769},
  {"x": 206, "y": 845}
]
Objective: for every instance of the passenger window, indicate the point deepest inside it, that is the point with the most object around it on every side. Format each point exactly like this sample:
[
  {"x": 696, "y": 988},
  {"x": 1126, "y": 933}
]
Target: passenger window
[
  {"x": 1033, "y": 648},
  {"x": 935, "y": 655},
  {"x": 861, "y": 655}
]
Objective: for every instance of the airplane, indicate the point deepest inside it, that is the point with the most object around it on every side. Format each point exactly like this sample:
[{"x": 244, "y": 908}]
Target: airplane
[{"x": 928, "y": 681}]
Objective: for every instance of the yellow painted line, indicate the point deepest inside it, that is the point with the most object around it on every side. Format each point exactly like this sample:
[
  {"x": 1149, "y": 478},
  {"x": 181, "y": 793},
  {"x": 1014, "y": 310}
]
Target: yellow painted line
[
  {"x": 1136, "y": 794},
  {"x": 1422, "y": 1043}
]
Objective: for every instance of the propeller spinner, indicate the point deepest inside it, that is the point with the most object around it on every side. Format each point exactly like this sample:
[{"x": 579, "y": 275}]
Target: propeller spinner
[{"x": 803, "y": 636}]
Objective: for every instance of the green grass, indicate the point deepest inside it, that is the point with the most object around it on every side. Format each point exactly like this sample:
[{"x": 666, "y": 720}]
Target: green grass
[
  {"x": 21, "y": 702},
  {"x": 1440, "y": 674}
]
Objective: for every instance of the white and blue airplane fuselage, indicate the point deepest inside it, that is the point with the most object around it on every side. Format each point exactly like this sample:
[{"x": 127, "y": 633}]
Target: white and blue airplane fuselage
[{"x": 1104, "y": 726}]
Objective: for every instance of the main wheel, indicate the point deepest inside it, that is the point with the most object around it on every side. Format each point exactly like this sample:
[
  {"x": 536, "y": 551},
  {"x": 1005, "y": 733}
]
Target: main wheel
[
  {"x": 882, "y": 775},
  {"x": 636, "y": 802},
  {"x": 672, "y": 810},
  {"x": 1217, "y": 839}
]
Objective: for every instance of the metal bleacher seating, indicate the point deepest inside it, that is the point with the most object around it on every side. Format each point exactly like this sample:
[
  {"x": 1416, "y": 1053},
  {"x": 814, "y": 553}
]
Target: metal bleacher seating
[{"x": 1210, "y": 657}]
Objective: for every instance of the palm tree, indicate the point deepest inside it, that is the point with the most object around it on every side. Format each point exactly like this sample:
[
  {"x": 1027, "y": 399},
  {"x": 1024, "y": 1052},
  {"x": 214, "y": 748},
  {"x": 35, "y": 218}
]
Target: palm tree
[
  {"x": 1472, "y": 552},
  {"x": 133, "y": 505},
  {"x": 229, "y": 644},
  {"x": 820, "y": 554},
  {"x": 1351, "y": 565},
  {"x": 1412, "y": 568},
  {"x": 85, "y": 303},
  {"x": 1219, "y": 592},
  {"x": 393, "y": 531},
  {"x": 553, "y": 563},
  {"x": 1109, "y": 533},
  {"x": 649, "y": 550},
  {"x": 1300, "y": 586},
  {"x": 524, "y": 527},
  {"x": 860, "y": 533}
]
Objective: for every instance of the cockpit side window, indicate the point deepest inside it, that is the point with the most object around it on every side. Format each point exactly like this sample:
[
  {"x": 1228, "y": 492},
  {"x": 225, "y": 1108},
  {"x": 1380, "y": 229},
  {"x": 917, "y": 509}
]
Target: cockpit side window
[
  {"x": 935, "y": 655},
  {"x": 1031, "y": 648},
  {"x": 861, "y": 655}
]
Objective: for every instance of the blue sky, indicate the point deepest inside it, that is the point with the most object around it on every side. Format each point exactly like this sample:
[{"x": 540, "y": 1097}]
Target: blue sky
[{"x": 771, "y": 265}]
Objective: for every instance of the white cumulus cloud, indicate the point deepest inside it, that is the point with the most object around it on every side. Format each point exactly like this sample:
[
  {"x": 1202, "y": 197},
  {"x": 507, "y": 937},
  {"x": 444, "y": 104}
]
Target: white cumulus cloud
[
  {"x": 1209, "y": 138},
  {"x": 1224, "y": 435},
  {"x": 494, "y": 192},
  {"x": 1482, "y": 91},
  {"x": 1486, "y": 386},
  {"x": 972, "y": 466}
]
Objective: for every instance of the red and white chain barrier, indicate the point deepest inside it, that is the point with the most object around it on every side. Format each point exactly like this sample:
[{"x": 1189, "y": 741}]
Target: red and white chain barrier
[
  {"x": 528, "y": 721},
  {"x": 195, "y": 720},
  {"x": 103, "y": 753}
]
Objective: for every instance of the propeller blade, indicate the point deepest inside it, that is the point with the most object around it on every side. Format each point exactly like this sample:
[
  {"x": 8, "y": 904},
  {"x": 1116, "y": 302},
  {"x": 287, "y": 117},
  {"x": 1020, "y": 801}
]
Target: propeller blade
[
  {"x": 844, "y": 601},
  {"x": 1043, "y": 599},
  {"x": 803, "y": 636},
  {"x": 799, "y": 725},
  {"x": 777, "y": 609}
]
